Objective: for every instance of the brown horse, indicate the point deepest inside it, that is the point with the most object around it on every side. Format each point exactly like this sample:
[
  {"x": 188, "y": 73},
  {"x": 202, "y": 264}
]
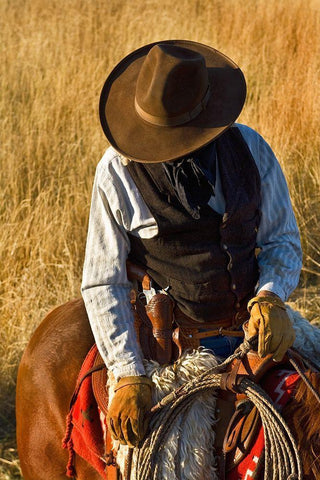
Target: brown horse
[
  {"x": 302, "y": 417},
  {"x": 46, "y": 380}
]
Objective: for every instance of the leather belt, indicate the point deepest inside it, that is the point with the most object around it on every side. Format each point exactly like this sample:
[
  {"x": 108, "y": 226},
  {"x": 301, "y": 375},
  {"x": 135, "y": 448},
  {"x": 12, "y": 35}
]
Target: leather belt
[
  {"x": 217, "y": 332},
  {"x": 184, "y": 321}
]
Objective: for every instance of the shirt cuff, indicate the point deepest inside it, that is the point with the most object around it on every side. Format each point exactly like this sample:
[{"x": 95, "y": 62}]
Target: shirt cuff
[
  {"x": 274, "y": 288},
  {"x": 136, "y": 369}
]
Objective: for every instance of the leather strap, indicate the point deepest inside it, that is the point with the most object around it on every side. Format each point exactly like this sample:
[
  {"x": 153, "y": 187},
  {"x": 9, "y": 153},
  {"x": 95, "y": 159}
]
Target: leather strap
[
  {"x": 166, "y": 121},
  {"x": 241, "y": 433},
  {"x": 183, "y": 320},
  {"x": 189, "y": 338},
  {"x": 217, "y": 332}
]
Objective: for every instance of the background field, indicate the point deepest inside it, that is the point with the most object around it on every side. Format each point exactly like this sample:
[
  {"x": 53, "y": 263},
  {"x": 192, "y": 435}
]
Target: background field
[{"x": 55, "y": 56}]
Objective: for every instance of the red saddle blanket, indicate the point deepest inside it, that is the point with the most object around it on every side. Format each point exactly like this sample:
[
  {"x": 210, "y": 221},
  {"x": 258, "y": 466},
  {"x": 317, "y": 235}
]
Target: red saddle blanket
[{"x": 84, "y": 433}]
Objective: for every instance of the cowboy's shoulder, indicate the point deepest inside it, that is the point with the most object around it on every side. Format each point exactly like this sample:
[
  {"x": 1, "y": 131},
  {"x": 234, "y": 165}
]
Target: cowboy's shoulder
[
  {"x": 249, "y": 134},
  {"x": 110, "y": 166},
  {"x": 259, "y": 148}
]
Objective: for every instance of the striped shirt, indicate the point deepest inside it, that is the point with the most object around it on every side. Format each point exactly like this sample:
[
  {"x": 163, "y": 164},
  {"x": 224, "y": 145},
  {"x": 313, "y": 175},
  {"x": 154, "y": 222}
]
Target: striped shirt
[{"x": 118, "y": 208}]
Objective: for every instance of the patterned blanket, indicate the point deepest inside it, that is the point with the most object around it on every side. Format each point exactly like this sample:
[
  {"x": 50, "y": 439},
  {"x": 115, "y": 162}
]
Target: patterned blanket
[{"x": 84, "y": 432}]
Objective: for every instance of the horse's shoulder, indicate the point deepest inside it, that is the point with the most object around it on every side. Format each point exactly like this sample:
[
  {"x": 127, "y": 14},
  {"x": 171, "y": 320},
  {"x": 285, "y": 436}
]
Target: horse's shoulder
[
  {"x": 73, "y": 310},
  {"x": 64, "y": 334}
]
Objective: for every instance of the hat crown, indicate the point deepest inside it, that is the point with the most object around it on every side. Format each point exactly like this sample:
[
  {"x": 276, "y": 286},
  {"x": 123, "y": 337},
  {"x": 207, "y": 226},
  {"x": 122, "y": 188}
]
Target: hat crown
[
  {"x": 167, "y": 99},
  {"x": 172, "y": 84}
]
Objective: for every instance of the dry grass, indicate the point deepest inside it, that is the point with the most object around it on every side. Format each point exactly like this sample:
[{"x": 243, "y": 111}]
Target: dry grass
[{"x": 54, "y": 59}]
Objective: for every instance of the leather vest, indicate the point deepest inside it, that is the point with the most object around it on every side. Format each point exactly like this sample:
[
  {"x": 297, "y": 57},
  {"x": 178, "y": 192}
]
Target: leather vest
[{"x": 209, "y": 264}]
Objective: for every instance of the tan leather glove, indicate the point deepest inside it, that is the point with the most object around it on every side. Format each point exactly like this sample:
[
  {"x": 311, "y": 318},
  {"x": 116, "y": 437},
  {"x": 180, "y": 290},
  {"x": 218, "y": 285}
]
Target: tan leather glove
[
  {"x": 127, "y": 420},
  {"x": 269, "y": 319}
]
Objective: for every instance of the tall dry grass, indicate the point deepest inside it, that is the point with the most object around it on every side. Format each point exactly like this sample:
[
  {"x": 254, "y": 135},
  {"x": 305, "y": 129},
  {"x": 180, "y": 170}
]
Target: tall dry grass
[{"x": 55, "y": 56}]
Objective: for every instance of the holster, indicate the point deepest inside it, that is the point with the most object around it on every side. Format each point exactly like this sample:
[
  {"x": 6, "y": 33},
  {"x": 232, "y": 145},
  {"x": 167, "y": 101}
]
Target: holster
[
  {"x": 153, "y": 324},
  {"x": 160, "y": 338}
]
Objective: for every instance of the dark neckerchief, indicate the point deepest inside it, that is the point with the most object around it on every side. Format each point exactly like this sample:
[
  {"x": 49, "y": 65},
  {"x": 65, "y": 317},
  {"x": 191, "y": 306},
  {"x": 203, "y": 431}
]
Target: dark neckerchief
[{"x": 193, "y": 178}]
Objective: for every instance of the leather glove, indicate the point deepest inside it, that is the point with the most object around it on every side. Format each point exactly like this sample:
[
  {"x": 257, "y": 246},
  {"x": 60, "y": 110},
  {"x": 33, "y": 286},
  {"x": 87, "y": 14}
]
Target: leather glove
[
  {"x": 269, "y": 319},
  {"x": 127, "y": 420}
]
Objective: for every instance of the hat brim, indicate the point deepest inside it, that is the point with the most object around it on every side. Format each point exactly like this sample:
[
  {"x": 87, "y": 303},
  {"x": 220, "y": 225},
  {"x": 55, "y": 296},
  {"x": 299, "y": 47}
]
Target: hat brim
[{"x": 141, "y": 141}]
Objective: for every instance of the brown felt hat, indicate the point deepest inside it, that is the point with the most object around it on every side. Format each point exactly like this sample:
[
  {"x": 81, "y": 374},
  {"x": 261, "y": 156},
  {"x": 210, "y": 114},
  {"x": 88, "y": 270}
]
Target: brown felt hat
[{"x": 169, "y": 98}]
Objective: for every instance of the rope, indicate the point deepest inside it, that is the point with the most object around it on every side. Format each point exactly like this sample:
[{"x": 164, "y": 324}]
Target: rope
[
  {"x": 282, "y": 460},
  {"x": 282, "y": 457}
]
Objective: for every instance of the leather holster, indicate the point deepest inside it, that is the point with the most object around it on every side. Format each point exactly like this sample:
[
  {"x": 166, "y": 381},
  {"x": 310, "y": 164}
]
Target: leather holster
[{"x": 153, "y": 323}]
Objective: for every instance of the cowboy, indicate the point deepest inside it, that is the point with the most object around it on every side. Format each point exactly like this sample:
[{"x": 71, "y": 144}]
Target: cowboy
[{"x": 198, "y": 201}]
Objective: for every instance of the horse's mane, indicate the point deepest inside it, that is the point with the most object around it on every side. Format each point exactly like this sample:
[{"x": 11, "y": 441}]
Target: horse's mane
[{"x": 302, "y": 415}]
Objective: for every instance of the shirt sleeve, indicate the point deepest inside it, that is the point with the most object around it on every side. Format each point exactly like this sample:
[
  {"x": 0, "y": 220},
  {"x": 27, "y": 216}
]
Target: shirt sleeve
[
  {"x": 105, "y": 286},
  {"x": 278, "y": 239}
]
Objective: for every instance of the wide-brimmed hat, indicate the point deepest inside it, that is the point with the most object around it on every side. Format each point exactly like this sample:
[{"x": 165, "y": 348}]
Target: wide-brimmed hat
[{"x": 170, "y": 98}]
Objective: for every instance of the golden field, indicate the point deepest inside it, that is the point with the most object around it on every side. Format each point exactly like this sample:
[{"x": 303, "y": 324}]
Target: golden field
[{"x": 55, "y": 56}]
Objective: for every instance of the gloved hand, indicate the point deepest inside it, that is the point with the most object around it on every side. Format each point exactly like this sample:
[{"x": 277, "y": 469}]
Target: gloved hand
[
  {"x": 127, "y": 420},
  {"x": 269, "y": 319}
]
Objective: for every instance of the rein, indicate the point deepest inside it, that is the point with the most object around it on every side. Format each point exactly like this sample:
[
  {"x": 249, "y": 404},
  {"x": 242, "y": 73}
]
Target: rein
[
  {"x": 282, "y": 459},
  {"x": 303, "y": 376}
]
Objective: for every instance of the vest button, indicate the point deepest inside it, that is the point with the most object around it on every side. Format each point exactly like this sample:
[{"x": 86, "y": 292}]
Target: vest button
[
  {"x": 224, "y": 246},
  {"x": 237, "y": 305},
  {"x": 233, "y": 286}
]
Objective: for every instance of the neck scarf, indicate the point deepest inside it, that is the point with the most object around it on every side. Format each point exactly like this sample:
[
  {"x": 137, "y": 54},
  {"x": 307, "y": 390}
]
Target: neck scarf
[{"x": 193, "y": 178}]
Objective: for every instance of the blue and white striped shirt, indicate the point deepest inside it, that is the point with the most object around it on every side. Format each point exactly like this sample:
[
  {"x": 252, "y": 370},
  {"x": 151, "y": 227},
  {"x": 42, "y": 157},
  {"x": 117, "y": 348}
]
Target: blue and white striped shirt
[{"x": 118, "y": 208}]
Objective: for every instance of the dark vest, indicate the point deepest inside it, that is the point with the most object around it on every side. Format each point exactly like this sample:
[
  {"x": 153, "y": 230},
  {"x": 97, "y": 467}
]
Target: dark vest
[{"x": 209, "y": 264}]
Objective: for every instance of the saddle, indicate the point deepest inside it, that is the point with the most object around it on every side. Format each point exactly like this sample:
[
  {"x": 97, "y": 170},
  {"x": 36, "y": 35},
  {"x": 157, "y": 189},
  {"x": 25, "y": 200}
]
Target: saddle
[{"x": 163, "y": 341}]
